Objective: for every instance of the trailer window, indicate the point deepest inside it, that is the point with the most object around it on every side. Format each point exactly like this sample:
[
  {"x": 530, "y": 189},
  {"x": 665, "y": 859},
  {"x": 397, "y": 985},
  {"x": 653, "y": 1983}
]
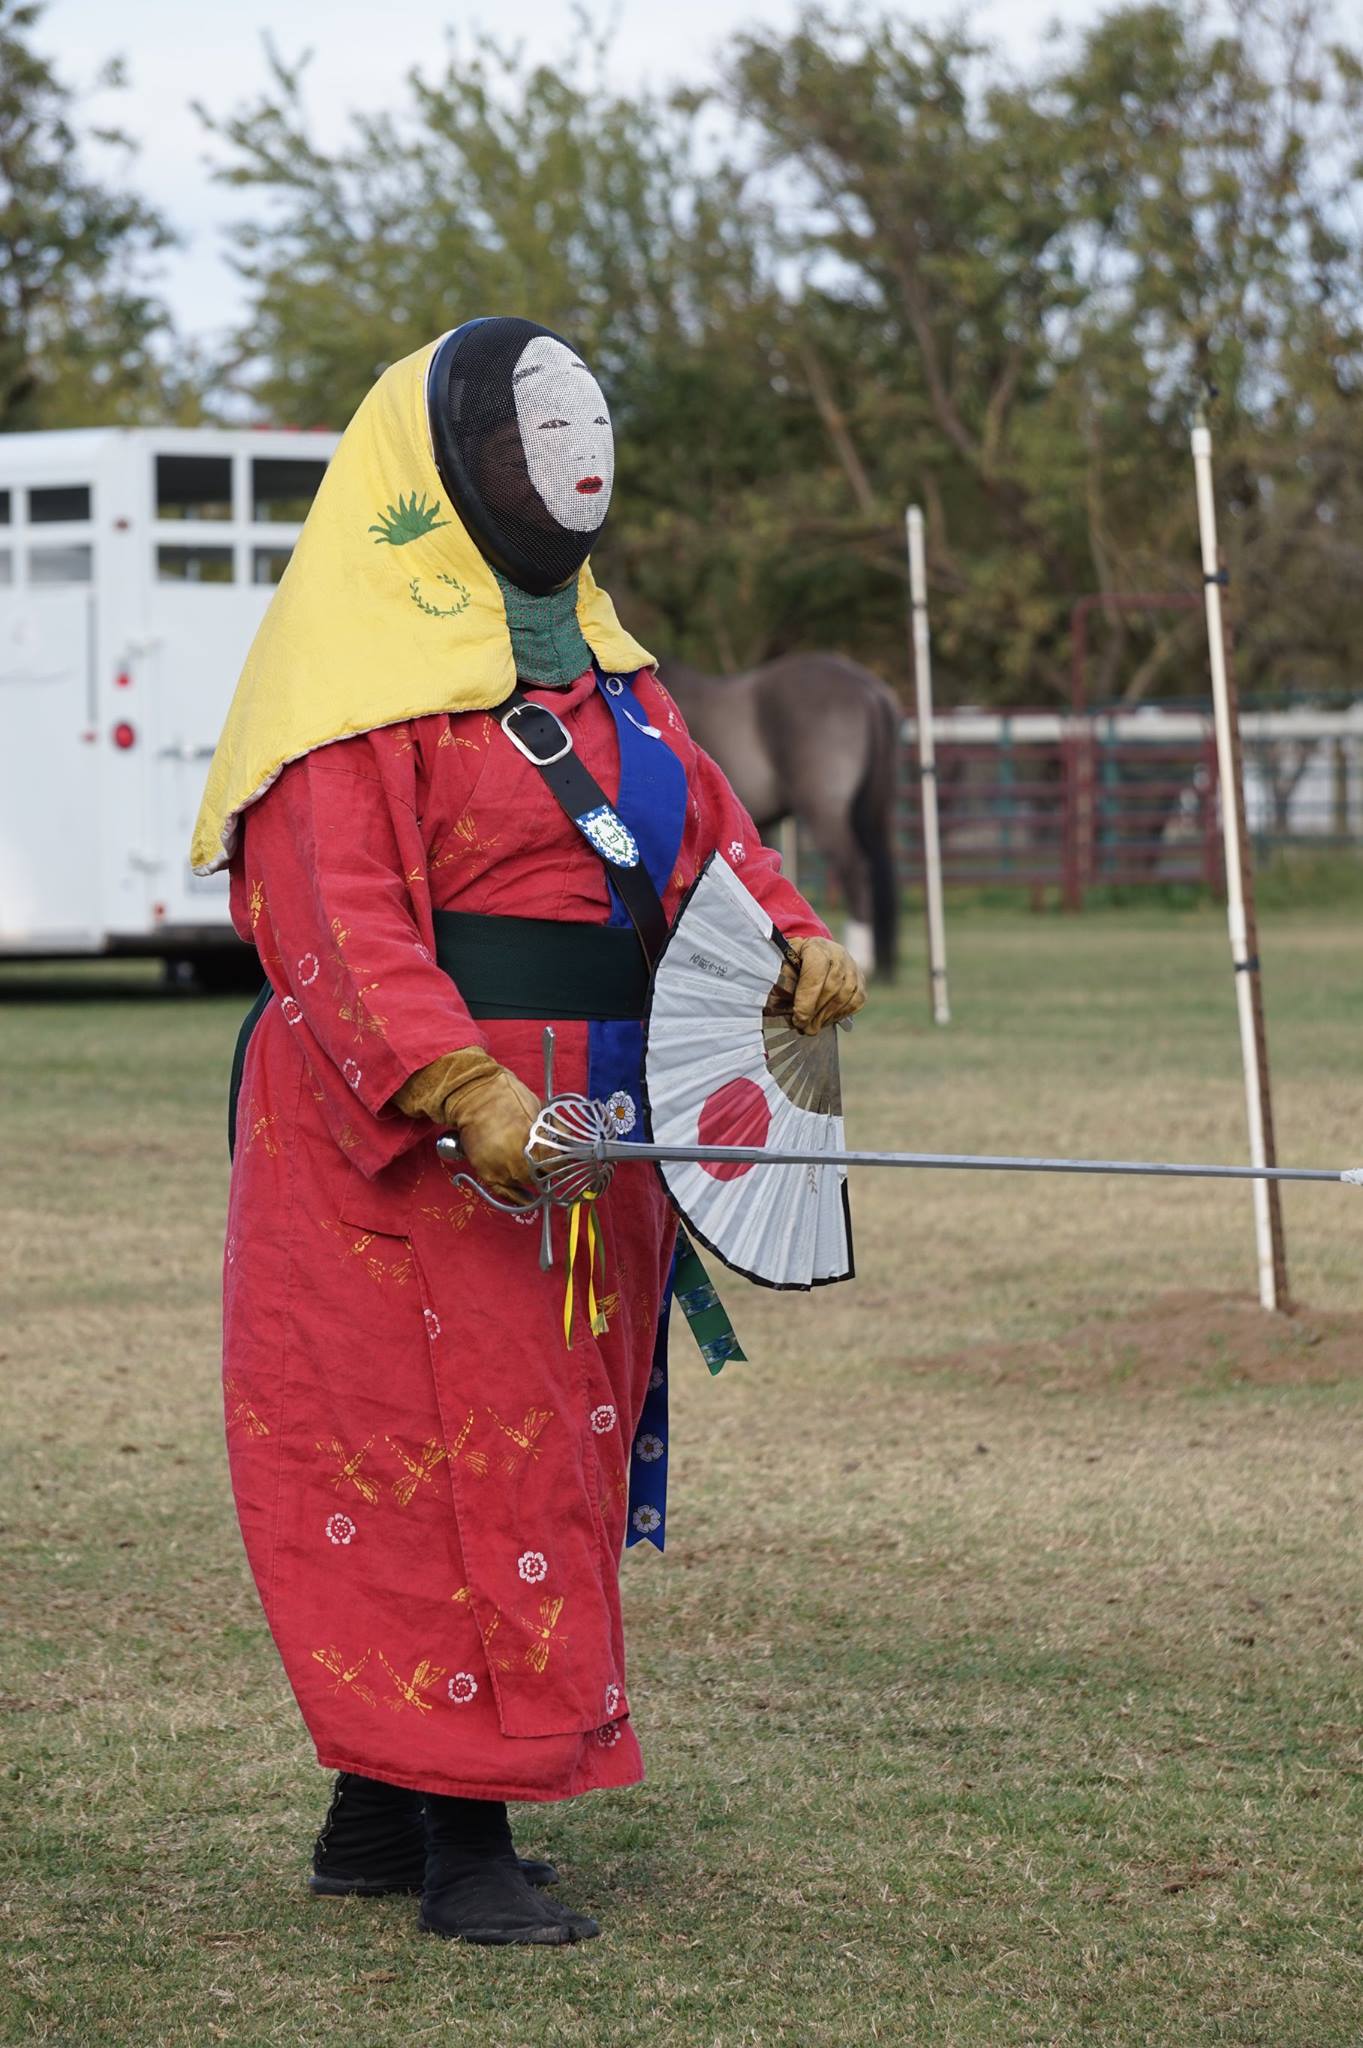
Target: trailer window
[
  {"x": 48, "y": 567},
  {"x": 54, "y": 503},
  {"x": 194, "y": 487},
  {"x": 283, "y": 488},
  {"x": 193, "y": 565},
  {"x": 269, "y": 564},
  {"x": 4, "y": 508},
  {"x": 6, "y": 566}
]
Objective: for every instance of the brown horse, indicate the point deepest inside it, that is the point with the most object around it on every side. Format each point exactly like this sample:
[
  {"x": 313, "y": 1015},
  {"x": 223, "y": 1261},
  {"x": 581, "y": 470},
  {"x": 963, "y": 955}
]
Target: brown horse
[{"x": 814, "y": 737}]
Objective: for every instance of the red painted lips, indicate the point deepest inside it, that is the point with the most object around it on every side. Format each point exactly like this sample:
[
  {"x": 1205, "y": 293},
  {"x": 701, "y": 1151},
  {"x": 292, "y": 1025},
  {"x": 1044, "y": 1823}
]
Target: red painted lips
[{"x": 589, "y": 485}]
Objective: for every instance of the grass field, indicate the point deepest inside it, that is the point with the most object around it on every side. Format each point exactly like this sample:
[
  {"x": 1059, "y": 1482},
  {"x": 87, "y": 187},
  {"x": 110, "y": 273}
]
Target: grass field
[{"x": 1001, "y": 1683}]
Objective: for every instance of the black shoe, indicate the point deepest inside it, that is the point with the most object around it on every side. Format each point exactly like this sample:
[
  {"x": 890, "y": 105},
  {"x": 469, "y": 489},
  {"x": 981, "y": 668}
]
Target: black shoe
[
  {"x": 486, "y": 1900},
  {"x": 475, "y": 1889},
  {"x": 373, "y": 1843}
]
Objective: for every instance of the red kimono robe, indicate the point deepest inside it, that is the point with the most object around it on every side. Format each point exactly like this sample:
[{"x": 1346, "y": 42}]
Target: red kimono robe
[{"x": 431, "y": 1484}]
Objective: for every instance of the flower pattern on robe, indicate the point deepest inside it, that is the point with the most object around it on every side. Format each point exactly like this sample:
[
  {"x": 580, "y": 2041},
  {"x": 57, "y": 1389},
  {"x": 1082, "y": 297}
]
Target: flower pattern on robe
[
  {"x": 621, "y": 1111},
  {"x": 419, "y": 1649}
]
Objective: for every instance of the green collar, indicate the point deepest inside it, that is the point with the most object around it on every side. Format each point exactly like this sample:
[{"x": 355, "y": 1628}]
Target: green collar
[{"x": 546, "y": 638}]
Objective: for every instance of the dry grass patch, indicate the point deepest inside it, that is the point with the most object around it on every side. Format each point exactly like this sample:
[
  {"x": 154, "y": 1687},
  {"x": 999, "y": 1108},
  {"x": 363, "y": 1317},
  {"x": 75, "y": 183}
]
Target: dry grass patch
[
  {"x": 1191, "y": 1342},
  {"x": 1000, "y": 1685}
]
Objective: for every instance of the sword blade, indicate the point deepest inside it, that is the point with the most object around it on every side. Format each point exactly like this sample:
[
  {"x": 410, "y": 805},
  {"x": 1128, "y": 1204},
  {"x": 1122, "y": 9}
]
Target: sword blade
[{"x": 618, "y": 1151}]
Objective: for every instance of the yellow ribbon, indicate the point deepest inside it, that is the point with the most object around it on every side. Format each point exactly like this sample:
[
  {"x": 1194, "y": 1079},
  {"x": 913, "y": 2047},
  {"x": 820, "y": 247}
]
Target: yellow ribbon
[{"x": 595, "y": 1256}]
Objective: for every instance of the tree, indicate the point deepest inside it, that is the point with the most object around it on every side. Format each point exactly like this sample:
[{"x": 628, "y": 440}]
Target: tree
[
  {"x": 895, "y": 270},
  {"x": 79, "y": 323},
  {"x": 1030, "y": 282}
]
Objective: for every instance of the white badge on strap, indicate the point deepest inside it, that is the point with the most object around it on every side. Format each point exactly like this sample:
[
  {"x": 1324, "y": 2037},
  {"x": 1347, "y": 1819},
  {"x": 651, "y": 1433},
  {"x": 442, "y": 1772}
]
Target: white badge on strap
[{"x": 610, "y": 835}]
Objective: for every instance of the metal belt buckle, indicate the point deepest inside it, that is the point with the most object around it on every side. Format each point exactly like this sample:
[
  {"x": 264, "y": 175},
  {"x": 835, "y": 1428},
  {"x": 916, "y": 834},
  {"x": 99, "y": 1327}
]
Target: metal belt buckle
[{"x": 539, "y": 760}]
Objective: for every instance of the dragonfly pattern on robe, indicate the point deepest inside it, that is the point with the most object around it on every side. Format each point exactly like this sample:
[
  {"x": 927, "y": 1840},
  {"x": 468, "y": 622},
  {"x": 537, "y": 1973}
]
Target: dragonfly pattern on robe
[{"x": 363, "y": 1313}]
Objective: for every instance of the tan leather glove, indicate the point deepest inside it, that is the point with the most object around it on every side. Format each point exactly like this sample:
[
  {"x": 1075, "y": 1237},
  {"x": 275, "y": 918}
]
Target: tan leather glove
[
  {"x": 488, "y": 1108},
  {"x": 822, "y": 985}
]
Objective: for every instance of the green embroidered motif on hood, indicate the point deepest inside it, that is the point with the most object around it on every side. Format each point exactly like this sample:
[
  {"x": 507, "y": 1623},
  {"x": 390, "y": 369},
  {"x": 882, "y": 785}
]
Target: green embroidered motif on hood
[{"x": 546, "y": 638}]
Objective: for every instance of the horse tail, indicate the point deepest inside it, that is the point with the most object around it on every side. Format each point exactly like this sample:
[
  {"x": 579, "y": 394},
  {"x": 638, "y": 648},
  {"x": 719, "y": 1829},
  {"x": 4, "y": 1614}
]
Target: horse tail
[{"x": 873, "y": 823}]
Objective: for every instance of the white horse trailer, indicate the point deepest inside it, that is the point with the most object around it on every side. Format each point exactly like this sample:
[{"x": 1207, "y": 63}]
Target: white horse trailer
[{"x": 135, "y": 566}]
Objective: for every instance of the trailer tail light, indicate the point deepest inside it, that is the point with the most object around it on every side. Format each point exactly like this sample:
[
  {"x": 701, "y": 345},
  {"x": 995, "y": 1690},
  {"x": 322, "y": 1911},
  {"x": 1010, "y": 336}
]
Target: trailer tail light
[
  {"x": 124, "y": 736},
  {"x": 123, "y": 681}
]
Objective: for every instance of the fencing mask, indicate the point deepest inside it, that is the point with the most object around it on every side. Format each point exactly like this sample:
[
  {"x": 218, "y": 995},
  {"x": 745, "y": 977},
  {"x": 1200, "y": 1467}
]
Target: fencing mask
[{"x": 522, "y": 439}]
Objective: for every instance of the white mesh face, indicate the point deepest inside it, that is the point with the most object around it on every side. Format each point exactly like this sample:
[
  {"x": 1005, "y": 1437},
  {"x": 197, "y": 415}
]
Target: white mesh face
[
  {"x": 565, "y": 429},
  {"x": 522, "y": 439}
]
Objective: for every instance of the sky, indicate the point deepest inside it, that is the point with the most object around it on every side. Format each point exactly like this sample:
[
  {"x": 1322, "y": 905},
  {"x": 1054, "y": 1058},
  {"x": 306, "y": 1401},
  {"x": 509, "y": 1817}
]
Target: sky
[{"x": 177, "y": 53}]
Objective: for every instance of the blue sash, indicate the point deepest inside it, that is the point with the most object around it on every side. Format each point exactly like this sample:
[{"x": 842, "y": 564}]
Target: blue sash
[{"x": 652, "y": 803}]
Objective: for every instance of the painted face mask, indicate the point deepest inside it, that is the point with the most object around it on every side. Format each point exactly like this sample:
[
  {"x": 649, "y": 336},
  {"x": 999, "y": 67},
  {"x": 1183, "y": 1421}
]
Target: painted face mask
[{"x": 522, "y": 439}]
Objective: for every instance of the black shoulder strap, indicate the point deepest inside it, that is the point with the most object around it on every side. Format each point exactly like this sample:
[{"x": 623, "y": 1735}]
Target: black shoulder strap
[{"x": 547, "y": 745}]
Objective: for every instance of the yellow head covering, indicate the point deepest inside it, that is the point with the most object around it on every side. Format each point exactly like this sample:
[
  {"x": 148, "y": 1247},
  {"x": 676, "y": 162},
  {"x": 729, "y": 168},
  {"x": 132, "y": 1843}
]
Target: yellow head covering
[{"x": 386, "y": 611}]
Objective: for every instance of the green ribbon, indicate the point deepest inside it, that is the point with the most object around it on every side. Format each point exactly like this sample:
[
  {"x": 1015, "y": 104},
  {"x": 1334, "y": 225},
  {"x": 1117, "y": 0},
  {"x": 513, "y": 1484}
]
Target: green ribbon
[{"x": 706, "y": 1316}]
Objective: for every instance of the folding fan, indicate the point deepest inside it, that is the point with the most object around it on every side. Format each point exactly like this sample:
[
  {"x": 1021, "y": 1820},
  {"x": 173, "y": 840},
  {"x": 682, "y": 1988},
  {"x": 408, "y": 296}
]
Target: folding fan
[{"x": 725, "y": 1066}]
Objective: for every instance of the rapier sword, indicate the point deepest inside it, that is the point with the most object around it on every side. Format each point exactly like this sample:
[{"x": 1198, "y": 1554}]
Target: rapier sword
[
  {"x": 570, "y": 1137},
  {"x": 572, "y": 1155}
]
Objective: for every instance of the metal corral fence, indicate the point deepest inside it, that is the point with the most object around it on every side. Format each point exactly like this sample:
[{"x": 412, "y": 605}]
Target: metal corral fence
[{"x": 1115, "y": 798}]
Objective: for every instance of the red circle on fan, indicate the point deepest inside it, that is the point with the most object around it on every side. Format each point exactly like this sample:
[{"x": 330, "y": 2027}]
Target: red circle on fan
[{"x": 736, "y": 1114}]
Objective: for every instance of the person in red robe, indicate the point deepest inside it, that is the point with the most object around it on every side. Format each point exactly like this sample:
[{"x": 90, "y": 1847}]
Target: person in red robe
[{"x": 432, "y": 1478}]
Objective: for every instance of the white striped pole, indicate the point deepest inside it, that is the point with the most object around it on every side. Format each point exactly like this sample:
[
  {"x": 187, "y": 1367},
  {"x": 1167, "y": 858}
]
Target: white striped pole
[
  {"x": 927, "y": 771},
  {"x": 1245, "y": 966}
]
